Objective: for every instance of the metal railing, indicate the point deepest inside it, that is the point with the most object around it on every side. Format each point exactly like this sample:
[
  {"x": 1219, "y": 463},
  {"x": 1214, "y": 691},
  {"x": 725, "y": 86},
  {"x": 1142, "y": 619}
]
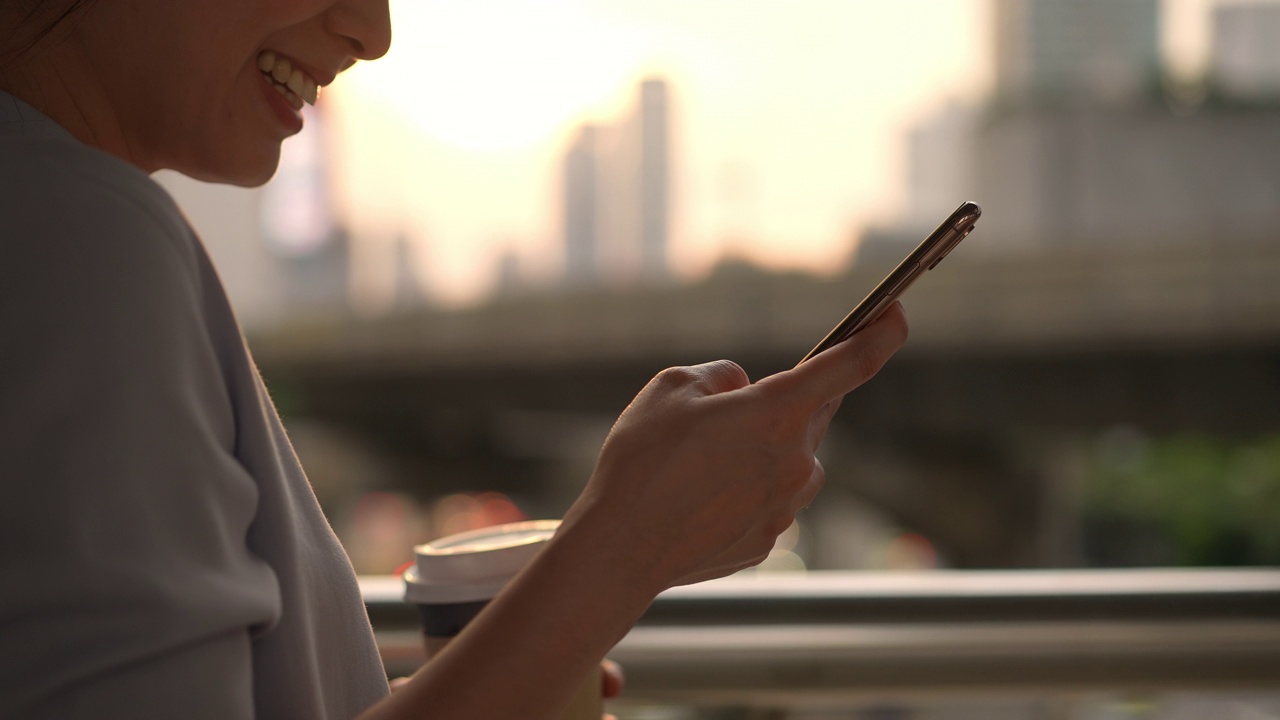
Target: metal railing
[{"x": 824, "y": 638}]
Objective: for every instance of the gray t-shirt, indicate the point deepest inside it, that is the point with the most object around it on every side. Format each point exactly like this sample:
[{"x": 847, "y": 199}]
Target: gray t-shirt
[{"x": 161, "y": 553}]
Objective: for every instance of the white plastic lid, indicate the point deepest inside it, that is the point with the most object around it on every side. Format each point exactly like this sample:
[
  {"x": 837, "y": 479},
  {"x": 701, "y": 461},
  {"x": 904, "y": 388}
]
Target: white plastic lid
[{"x": 473, "y": 565}]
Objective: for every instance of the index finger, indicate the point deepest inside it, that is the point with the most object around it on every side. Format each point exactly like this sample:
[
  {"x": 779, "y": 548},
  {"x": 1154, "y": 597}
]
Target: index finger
[{"x": 832, "y": 374}]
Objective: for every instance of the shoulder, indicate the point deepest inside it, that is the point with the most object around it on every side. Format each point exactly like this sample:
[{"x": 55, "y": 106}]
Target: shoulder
[
  {"x": 79, "y": 227},
  {"x": 99, "y": 264},
  {"x": 58, "y": 196}
]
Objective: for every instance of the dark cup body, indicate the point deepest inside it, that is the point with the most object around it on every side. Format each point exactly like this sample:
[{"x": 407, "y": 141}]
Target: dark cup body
[{"x": 447, "y": 620}]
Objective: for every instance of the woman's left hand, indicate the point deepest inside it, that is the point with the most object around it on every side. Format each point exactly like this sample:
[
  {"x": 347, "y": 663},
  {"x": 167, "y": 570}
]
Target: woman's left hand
[{"x": 613, "y": 680}]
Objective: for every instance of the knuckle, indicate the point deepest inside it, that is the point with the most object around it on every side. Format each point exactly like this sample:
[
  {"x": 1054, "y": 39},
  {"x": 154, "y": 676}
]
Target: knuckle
[
  {"x": 675, "y": 376},
  {"x": 674, "y": 381},
  {"x": 709, "y": 378},
  {"x": 731, "y": 370}
]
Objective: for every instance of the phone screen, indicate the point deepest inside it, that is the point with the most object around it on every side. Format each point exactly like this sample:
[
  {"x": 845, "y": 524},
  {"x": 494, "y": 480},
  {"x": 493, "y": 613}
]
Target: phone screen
[{"x": 924, "y": 258}]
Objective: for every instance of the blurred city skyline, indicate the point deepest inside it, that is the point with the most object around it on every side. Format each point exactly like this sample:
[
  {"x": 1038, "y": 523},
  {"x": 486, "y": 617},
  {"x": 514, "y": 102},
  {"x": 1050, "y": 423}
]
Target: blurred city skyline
[
  {"x": 783, "y": 121},
  {"x": 788, "y": 118},
  {"x": 790, "y": 126}
]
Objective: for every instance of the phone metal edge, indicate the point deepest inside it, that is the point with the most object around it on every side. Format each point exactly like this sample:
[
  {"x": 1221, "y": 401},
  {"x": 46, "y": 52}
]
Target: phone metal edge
[{"x": 924, "y": 257}]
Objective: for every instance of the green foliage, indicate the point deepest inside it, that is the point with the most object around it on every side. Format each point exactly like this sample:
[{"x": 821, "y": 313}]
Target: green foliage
[{"x": 1210, "y": 501}]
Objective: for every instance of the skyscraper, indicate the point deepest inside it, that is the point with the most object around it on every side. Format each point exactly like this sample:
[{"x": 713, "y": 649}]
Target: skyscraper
[
  {"x": 581, "y": 226},
  {"x": 1064, "y": 165},
  {"x": 1246, "y": 50},
  {"x": 654, "y": 179},
  {"x": 1076, "y": 50},
  {"x": 940, "y": 164},
  {"x": 616, "y": 207}
]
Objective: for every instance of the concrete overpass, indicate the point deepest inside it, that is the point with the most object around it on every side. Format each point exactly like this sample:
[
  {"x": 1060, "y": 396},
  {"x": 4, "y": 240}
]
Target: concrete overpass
[{"x": 1167, "y": 338}]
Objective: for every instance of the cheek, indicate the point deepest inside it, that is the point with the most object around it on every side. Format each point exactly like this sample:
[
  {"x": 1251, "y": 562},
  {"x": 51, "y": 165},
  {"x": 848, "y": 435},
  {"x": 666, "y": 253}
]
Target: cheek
[{"x": 280, "y": 14}]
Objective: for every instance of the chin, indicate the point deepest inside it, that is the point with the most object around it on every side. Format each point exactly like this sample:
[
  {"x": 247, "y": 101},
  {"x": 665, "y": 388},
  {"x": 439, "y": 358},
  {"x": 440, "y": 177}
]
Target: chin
[{"x": 241, "y": 169}]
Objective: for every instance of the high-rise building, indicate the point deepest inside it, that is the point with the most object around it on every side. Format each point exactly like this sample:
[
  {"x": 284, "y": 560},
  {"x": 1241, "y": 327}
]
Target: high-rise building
[
  {"x": 407, "y": 291},
  {"x": 616, "y": 206},
  {"x": 940, "y": 164},
  {"x": 1076, "y": 50},
  {"x": 655, "y": 176},
  {"x": 1245, "y": 60},
  {"x": 1079, "y": 170},
  {"x": 581, "y": 227},
  {"x": 1128, "y": 175}
]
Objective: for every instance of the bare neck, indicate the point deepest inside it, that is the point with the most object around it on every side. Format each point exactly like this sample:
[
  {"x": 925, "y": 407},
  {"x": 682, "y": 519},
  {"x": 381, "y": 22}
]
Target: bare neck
[{"x": 60, "y": 79}]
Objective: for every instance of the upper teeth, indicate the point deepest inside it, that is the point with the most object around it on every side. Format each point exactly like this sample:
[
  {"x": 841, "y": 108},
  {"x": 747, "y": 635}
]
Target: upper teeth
[{"x": 281, "y": 70}]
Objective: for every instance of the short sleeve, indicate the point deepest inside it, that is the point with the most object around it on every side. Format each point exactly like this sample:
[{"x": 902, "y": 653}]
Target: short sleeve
[{"x": 130, "y": 590}]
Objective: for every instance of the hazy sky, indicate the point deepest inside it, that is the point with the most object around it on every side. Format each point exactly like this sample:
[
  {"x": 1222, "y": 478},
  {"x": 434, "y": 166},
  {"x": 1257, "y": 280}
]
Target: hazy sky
[{"x": 788, "y": 119}]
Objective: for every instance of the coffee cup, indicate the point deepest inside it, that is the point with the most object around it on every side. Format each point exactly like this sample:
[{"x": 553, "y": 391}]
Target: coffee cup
[{"x": 454, "y": 577}]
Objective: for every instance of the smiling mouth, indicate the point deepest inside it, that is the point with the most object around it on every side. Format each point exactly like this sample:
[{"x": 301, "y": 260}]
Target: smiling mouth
[{"x": 294, "y": 84}]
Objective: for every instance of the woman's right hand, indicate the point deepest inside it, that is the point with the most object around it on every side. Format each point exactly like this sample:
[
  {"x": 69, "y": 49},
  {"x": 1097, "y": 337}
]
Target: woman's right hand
[
  {"x": 704, "y": 469},
  {"x": 697, "y": 479}
]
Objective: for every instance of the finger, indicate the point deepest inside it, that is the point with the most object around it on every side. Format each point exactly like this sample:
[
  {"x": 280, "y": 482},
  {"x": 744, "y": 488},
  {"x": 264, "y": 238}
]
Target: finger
[
  {"x": 612, "y": 678},
  {"x": 719, "y": 376},
  {"x": 834, "y": 373}
]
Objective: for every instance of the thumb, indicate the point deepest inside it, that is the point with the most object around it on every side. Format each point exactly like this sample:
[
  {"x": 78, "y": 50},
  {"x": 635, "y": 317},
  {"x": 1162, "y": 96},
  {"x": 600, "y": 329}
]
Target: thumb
[{"x": 832, "y": 374}]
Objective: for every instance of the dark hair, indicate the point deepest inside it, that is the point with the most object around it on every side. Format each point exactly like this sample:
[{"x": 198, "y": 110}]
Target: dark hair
[{"x": 42, "y": 18}]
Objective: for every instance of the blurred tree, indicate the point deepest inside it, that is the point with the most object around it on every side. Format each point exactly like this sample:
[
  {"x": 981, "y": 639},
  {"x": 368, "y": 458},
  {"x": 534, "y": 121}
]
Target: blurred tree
[{"x": 1184, "y": 500}]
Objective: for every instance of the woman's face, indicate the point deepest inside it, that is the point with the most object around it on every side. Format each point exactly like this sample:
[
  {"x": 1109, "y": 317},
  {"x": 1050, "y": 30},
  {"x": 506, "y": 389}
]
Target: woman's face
[{"x": 185, "y": 80}]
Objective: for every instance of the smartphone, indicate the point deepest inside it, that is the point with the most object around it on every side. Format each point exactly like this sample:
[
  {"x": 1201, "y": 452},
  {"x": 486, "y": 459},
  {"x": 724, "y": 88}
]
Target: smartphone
[{"x": 924, "y": 258}]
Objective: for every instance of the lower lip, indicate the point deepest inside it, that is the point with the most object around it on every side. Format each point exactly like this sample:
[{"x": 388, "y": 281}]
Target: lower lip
[{"x": 284, "y": 112}]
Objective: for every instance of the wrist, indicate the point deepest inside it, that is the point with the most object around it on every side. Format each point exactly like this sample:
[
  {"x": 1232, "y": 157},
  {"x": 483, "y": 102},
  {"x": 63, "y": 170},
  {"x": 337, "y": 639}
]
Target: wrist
[{"x": 620, "y": 566}]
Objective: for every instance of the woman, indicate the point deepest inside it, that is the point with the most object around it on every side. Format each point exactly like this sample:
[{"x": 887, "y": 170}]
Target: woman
[{"x": 162, "y": 552}]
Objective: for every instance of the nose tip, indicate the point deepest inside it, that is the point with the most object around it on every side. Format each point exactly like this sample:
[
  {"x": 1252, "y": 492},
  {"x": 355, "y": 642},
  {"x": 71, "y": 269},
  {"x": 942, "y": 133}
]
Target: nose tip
[
  {"x": 366, "y": 26},
  {"x": 380, "y": 41}
]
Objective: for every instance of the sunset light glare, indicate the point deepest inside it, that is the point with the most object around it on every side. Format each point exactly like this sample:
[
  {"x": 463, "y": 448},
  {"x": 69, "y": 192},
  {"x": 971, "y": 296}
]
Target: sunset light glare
[
  {"x": 789, "y": 122},
  {"x": 786, "y": 121}
]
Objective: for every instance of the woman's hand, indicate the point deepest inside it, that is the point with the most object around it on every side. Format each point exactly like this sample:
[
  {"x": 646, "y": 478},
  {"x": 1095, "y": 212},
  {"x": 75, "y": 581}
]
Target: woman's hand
[
  {"x": 612, "y": 680},
  {"x": 697, "y": 479},
  {"x": 704, "y": 469}
]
